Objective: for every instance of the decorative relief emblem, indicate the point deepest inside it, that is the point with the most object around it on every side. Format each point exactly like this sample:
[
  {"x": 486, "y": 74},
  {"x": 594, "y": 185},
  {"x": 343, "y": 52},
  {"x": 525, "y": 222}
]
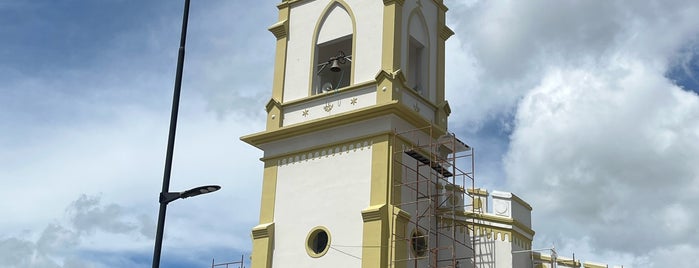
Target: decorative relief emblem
[
  {"x": 353, "y": 101},
  {"x": 326, "y": 152},
  {"x": 416, "y": 108},
  {"x": 328, "y": 107},
  {"x": 304, "y": 113}
]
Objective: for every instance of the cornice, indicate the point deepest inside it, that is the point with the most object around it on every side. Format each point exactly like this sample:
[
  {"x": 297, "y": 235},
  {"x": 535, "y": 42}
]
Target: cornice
[
  {"x": 373, "y": 213},
  {"x": 394, "y": 107},
  {"x": 280, "y": 29},
  {"x": 263, "y": 230},
  {"x": 445, "y": 32},
  {"x": 498, "y": 219}
]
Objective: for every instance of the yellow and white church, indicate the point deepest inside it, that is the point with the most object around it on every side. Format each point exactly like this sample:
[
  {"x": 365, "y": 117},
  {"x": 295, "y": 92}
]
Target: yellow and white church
[{"x": 359, "y": 167}]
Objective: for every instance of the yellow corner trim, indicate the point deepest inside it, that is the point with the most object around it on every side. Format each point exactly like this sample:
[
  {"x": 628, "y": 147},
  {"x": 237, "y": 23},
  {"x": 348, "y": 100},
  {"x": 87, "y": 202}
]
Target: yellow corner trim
[
  {"x": 263, "y": 231},
  {"x": 280, "y": 29},
  {"x": 271, "y": 104},
  {"x": 373, "y": 213},
  {"x": 445, "y": 32}
]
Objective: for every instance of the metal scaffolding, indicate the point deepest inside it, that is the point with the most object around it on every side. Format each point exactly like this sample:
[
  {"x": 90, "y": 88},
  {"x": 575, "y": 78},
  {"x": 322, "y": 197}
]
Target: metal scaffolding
[
  {"x": 431, "y": 178},
  {"x": 235, "y": 264}
]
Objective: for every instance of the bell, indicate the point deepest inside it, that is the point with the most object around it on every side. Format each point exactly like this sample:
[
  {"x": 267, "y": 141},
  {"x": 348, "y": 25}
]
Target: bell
[{"x": 335, "y": 67}]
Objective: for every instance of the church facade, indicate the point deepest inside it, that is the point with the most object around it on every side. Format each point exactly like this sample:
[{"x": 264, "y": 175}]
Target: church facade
[{"x": 360, "y": 169}]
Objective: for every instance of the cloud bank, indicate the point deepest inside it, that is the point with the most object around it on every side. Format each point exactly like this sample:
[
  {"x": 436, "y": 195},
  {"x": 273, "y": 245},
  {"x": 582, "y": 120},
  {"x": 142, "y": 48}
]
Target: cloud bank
[{"x": 604, "y": 135}]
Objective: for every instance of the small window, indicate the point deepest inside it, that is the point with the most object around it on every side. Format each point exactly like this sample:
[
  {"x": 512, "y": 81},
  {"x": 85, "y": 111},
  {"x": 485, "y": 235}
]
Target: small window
[
  {"x": 333, "y": 65},
  {"x": 418, "y": 242},
  {"x": 417, "y": 71},
  {"x": 318, "y": 242}
]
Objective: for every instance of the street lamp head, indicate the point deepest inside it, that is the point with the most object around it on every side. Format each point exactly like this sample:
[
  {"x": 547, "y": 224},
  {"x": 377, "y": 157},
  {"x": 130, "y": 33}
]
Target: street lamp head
[{"x": 200, "y": 190}]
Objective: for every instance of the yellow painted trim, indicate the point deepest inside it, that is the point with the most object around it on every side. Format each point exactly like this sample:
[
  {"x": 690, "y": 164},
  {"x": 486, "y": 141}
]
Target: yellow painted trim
[
  {"x": 274, "y": 114},
  {"x": 381, "y": 224},
  {"x": 545, "y": 258},
  {"x": 392, "y": 31},
  {"x": 264, "y": 230},
  {"x": 443, "y": 33},
  {"x": 400, "y": 243},
  {"x": 375, "y": 240},
  {"x": 497, "y": 219},
  {"x": 594, "y": 265},
  {"x": 262, "y": 245},
  {"x": 381, "y": 170},
  {"x": 396, "y": 81},
  {"x": 316, "y": 32},
  {"x": 392, "y": 108},
  {"x": 364, "y": 143},
  {"x": 478, "y": 191},
  {"x": 269, "y": 190},
  {"x": 314, "y": 232},
  {"x": 280, "y": 31}
]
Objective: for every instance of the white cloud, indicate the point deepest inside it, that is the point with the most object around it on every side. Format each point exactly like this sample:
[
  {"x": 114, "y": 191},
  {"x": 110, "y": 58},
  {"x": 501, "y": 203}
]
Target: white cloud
[
  {"x": 59, "y": 244},
  {"x": 603, "y": 143},
  {"x": 99, "y": 128}
]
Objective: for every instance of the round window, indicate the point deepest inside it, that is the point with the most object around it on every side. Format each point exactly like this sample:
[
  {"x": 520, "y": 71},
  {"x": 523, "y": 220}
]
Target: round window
[
  {"x": 418, "y": 243},
  {"x": 318, "y": 242}
]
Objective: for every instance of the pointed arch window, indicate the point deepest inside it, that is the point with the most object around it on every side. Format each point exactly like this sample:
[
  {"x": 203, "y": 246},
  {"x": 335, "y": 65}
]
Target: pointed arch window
[
  {"x": 417, "y": 72},
  {"x": 417, "y": 68},
  {"x": 332, "y": 66}
]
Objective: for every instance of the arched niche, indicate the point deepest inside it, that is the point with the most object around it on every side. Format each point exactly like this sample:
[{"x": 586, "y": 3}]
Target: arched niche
[
  {"x": 333, "y": 49},
  {"x": 418, "y": 51}
]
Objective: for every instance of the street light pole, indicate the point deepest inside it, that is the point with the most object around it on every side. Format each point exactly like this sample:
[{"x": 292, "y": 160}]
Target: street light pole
[{"x": 171, "y": 139}]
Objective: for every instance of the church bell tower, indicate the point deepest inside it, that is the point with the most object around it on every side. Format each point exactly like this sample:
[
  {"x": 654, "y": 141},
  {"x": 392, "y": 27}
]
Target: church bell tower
[{"x": 348, "y": 76}]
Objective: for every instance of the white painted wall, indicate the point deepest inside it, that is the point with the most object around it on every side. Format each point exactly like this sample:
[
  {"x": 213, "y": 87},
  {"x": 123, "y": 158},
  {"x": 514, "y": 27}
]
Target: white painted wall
[
  {"x": 328, "y": 189},
  {"x": 368, "y": 19},
  {"x": 338, "y": 23},
  {"x": 332, "y": 103}
]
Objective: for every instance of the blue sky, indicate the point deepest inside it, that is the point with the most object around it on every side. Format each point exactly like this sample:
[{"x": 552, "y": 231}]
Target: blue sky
[{"x": 590, "y": 113}]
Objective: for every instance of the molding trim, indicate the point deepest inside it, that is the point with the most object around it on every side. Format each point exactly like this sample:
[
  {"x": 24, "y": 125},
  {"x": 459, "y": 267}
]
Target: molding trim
[
  {"x": 373, "y": 213},
  {"x": 264, "y": 230},
  {"x": 280, "y": 29},
  {"x": 445, "y": 32},
  {"x": 393, "y": 107},
  {"x": 273, "y": 103},
  {"x": 326, "y": 151},
  {"x": 262, "y": 245}
]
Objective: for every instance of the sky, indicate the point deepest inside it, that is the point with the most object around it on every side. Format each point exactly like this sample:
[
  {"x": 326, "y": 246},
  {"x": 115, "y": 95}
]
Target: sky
[{"x": 588, "y": 110}]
